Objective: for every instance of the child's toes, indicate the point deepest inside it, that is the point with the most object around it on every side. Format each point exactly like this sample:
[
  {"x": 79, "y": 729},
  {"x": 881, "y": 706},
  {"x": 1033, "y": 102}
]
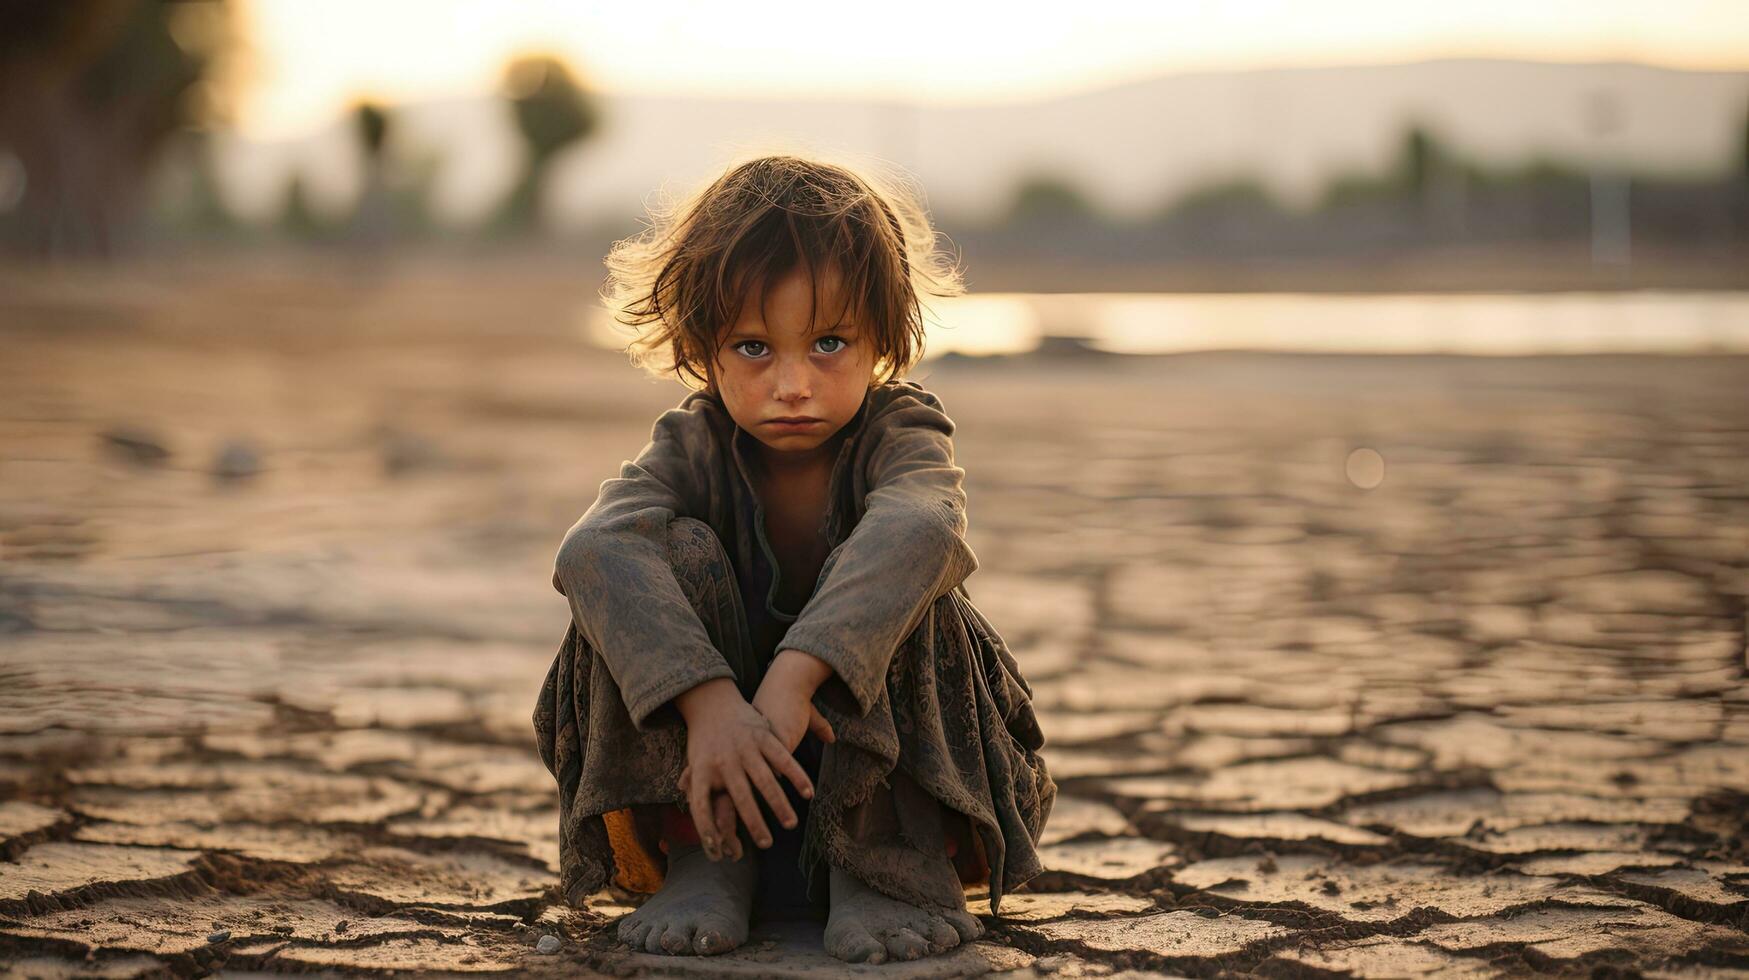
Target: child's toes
[
  {"x": 855, "y": 945},
  {"x": 676, "y": 939},
  {"x": 905, "y": 944},
  {"x": 715, "y": 935},
  {"x": 632, "y": 931},
  {"x": 964, "y": 923},
  {"x": 940, "y": 935}
]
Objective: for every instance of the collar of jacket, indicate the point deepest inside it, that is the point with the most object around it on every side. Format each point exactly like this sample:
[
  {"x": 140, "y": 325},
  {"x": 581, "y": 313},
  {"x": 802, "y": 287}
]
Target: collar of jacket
[
  {"x": 742, "y": 440},
  {"x": 831, "y": 524}
]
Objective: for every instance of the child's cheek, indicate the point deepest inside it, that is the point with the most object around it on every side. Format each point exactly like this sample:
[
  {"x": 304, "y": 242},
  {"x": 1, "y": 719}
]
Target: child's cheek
[{"x": 742, "y": 396}]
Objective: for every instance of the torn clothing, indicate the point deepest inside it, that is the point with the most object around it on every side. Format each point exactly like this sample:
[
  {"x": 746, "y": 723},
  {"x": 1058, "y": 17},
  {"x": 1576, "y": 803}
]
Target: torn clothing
[{"x": 922, "y": 683}]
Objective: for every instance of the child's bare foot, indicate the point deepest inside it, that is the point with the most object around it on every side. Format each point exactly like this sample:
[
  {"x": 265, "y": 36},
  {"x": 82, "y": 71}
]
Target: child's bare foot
[
  {"x": 865, "y": 926},
  {"x": 702, "y": 908}
]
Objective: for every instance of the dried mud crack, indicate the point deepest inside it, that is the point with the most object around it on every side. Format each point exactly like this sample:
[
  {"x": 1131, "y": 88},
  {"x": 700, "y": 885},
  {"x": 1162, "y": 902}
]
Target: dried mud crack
[{"x": 1487, "y": 718}]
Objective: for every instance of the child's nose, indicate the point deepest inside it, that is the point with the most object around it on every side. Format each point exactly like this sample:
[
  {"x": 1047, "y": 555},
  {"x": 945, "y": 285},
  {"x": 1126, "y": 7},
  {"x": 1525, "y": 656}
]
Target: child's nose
[{"x": 792, "y": 381}]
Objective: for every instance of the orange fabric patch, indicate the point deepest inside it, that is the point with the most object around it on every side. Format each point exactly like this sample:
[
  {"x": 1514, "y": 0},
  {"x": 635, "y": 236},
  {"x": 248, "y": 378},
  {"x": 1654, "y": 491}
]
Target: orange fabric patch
[{"x": 639, "y": 870}]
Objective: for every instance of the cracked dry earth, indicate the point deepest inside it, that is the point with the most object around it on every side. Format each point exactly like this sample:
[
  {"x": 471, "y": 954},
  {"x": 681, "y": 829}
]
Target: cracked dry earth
[{"x": 1487, "y": 717}]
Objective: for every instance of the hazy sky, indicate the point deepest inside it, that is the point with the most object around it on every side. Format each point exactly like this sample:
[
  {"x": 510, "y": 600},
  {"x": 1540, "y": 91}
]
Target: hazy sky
[{"x": 312, "y": 56}]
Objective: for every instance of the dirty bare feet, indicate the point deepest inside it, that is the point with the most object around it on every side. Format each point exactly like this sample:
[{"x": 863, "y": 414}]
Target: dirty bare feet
[
  {"x": 865, "y": 926},
  {"x": 702, "y": 908}
]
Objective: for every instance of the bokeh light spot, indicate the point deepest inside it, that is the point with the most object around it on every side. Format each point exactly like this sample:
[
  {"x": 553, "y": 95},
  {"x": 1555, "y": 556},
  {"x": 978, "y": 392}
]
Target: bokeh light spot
[{"x": 1365, "y": 468}]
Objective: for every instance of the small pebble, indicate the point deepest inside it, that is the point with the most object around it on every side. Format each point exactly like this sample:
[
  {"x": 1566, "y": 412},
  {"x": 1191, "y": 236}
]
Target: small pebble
[
  {"x": 218, "y": 937},
  {"x": 136, "y": 445},
  {"x": 236, "y": 460},
  {"x": 407, "y": 452},
  {"x": 548, "y": 945}
]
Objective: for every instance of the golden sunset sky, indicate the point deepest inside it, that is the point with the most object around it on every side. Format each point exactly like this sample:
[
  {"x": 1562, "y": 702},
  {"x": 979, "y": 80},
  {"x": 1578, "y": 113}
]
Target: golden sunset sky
[{"x": 310, "y": 57}]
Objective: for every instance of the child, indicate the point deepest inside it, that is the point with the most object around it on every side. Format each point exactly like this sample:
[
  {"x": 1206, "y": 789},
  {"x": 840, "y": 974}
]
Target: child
[{"x": 772, "y": 590}]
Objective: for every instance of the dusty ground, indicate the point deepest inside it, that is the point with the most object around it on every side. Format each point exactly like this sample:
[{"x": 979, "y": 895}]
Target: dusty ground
[{"x": 1476, "y": 704}]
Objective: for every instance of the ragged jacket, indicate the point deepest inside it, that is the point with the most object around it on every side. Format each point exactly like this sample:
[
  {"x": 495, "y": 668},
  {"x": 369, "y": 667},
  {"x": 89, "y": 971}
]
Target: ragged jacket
[{"x": 895, "y": 522}]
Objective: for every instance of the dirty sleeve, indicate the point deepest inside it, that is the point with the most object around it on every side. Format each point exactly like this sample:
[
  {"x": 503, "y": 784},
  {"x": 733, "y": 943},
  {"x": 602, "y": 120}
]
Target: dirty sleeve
[
  {"x": 614, "y": 569},
  {"x": 907, "y": 550}
]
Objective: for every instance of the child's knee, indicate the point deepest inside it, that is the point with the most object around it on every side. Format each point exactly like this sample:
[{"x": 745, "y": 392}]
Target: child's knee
[
  {"x": 693, "y": 542},
  {"x": 694, "y": 551},
  {"x": 706, "y": 576},
  {"x": 700, "y": 563}
]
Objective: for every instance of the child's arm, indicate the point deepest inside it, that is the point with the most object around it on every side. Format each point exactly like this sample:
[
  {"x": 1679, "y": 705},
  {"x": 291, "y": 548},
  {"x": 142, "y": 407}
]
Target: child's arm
[
  {"x": 907, "y": 551},
  {"x": 613, "y": 568}
]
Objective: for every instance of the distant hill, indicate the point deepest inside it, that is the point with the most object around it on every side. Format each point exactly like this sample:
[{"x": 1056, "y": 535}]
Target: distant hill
[{"x": 1130, "y": 147}]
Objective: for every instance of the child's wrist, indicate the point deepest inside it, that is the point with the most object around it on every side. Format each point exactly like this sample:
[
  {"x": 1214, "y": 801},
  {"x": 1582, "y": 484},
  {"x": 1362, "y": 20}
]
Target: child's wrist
[
  {"x": 701, "y": 697},
  {"x": 798, "y": 670}
]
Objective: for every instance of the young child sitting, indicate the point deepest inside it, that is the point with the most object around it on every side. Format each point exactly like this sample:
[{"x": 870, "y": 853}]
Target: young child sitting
[{"x": 772, "y": 590}]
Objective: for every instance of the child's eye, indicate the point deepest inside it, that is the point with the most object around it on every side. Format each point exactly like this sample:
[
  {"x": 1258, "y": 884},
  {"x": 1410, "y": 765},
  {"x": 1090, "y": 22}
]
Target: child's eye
[
  {"x": 743, "y": 345},
  {"x": 839, "y": 341}
]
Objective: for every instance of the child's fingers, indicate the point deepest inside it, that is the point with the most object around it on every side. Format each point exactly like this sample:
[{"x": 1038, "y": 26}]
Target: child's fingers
[
  {"x": 698, "y": 805},
  {"x": 818, "y": 724},
  {"x": 787, "y": 766},
  {"x": 723, "y": 809},
  {"x": 742, "y": 794},
  {"x": 767, "y": 784}
]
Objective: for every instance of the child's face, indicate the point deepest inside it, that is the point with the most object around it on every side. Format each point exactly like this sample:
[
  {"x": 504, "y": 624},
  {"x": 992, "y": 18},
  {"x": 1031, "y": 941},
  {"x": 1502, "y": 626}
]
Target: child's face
[{"x": 770, "y": 368}]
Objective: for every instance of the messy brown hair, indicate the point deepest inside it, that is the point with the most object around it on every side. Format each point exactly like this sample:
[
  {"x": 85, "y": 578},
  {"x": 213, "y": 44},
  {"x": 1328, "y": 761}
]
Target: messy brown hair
[{"x": 681, "y": 283}]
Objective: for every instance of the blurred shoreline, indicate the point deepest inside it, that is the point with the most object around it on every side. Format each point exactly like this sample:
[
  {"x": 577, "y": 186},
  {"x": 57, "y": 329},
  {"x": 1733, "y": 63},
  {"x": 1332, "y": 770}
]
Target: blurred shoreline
[
  {"x": 1555, "y": 268},
  {"x": 1564, "y": 267},
  {"x": 480, "y": 296}
]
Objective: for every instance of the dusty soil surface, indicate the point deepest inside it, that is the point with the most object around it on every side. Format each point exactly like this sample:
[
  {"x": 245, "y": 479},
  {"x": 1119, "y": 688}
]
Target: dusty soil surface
[{"x": 1349, "y": 666}]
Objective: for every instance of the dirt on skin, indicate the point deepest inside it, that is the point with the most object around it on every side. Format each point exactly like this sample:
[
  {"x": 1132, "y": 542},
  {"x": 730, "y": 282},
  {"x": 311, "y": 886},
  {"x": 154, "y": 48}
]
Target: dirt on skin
[{"x": 275, "y": 543}]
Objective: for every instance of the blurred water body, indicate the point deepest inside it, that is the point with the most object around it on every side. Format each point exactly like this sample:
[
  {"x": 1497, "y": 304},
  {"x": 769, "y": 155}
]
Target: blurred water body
[{"x": 1501, "y": 324}]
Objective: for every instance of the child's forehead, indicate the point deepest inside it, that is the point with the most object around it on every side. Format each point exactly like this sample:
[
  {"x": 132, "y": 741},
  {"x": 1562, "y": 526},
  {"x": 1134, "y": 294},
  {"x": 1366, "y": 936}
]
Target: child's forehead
[
  {"x": 825, "y": 290},
  {"x": 749, "y": 277}
]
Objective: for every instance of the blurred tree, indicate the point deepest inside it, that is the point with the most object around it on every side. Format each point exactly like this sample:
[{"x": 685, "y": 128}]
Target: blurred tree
[
  {"x": 412, "y": 184},
  {"x": 395, "y": 198},
  {"x": 1743, "y": 162},
  {"x": 373, "y": 216},
  {"x": 1422, "y": 169},
  {"x": 185, "y": 198},
  {"x": 1234, "y": 194},
  {"x": 1049, "y": 198},
  {"x": 1416, "y": 161},
  {"x": 1743, "y": 184},
  {"x": 1351, "y": 189},
  {"x": 372, "y": 121},
  {"x": 1541, "y": 173},
  {"x": 1234, "y": 210},
  {"x": 1436, "y": 181},
  {"x": 93, "y": 89},
  {"x": 552, "y": 111},
  {"x": 297, "y": 219}
]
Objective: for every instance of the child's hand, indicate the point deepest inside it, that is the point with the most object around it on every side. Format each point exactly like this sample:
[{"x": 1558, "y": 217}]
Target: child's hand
[
  {"x": 722, "y": 815},
  {"x": 731, "y": 746},
  {"x": 786, "y": 698},
  {"x": 791, "y": 715}
]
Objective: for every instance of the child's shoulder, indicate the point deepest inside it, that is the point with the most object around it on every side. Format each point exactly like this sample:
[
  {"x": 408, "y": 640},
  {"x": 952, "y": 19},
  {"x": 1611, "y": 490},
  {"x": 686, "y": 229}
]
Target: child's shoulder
[
  {"x": 900, "y": 388},
  {"x": 699, "y": 415},
  {"x": 902, "y": 403}
]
